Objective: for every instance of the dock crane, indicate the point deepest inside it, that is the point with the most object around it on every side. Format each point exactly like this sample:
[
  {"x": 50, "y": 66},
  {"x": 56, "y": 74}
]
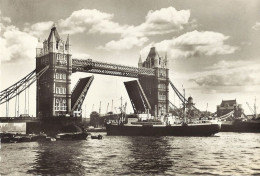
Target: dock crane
[
  {"x": 107, "y": 108},
  {"x": 253, "y": 111}
]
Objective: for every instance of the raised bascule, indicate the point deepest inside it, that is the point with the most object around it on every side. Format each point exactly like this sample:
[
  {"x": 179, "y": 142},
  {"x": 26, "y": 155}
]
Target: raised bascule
[{"x": 57, "y": 105}]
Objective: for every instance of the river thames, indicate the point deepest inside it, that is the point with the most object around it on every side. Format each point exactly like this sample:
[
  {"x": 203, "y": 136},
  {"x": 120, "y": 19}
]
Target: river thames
[{"x": 223, "y": 154}]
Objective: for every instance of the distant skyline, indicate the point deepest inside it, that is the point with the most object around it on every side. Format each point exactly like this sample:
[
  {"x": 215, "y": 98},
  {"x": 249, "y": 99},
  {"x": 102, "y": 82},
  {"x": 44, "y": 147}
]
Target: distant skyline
[{"x": 212, "y": 46}]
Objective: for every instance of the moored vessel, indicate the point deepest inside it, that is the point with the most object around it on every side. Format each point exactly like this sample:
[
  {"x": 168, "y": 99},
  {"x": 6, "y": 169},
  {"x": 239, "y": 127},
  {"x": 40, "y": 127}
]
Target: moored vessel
[
  {"x": 235, "y": 120},
  {"x": 242, "y": 126},
  {"x": 151, "y": 127}
]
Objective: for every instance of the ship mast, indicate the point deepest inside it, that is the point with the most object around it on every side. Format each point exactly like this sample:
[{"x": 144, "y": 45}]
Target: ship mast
[
  {"x": 112, "y": 110},
  {"x": 107, "y": 108},
  {"x": 184, "y": 115},
  {"x": 99, "y": 108},
  {"x": 121, "y": 108}
]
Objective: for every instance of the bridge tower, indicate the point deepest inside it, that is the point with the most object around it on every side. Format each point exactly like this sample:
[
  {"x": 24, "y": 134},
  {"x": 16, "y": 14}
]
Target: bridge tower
[
  {"x": 54, "y": 87},
  {"x": 156, "y": 88}
]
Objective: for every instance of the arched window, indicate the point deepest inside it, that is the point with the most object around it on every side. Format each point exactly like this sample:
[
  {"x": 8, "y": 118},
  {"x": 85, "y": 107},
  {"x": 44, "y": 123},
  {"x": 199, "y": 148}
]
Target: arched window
[
  {"x": 57, "y": 102},
  {"x": 60, "y": 104}
]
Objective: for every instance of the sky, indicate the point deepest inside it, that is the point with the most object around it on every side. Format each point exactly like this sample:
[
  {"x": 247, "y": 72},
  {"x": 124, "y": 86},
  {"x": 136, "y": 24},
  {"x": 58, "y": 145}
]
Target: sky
[{"x": 212, "y": 46}]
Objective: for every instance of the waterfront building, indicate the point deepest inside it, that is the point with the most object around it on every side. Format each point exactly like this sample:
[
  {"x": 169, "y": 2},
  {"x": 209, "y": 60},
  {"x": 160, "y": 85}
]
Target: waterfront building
[{"x": 227, "y": 106}]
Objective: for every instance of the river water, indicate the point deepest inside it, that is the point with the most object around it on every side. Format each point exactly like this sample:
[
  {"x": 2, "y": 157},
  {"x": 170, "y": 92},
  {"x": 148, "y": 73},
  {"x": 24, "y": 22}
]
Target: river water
[{"x": 224, "y": 154}]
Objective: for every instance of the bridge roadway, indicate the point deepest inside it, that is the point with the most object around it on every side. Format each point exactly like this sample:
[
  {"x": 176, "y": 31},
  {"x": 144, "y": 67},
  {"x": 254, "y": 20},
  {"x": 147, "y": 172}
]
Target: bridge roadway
[
  {"x": 36, "y": 119},
  {"x": 88, "y": 65},
  {"x": 18, "y": 119}
]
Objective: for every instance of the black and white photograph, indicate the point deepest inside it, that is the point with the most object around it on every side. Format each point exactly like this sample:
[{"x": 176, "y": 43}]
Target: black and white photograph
[{"x": 130, "y": 87}]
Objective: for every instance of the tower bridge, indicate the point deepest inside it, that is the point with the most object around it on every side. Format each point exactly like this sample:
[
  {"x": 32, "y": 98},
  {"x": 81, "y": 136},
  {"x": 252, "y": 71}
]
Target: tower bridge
[{"x": 54, "y": 67}]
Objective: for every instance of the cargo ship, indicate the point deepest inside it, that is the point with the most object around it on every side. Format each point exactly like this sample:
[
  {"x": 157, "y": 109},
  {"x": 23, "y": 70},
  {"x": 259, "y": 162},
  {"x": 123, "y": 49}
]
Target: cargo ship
[
  {"x": 242, "y": 126},
  {"x": 151, "y": 127},
  {"x": 235, "y": 120}
]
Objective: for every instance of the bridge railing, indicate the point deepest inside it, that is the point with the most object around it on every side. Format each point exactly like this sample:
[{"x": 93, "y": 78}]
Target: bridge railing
[{"x": 108, "y": 68}]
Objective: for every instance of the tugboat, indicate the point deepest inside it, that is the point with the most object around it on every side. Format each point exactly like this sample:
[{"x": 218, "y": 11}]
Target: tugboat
[
  {"x": 71, "y": 136},
  {"x": 72, "y": 132}
]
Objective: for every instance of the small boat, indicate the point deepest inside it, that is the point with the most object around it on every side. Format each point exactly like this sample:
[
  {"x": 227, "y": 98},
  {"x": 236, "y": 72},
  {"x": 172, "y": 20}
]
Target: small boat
[
  {"x": 25, "y": 139},
  {"x": 72, "y": 136},
  {"x": 51, "y": 139},
  {"x": 97, "y": 137},
  {"x": 5, "y": 139},
  {"x": 40, "y": 137}
]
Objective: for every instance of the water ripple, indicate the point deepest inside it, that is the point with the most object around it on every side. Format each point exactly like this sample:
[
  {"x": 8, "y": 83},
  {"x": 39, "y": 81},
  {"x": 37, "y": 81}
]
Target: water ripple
[{"x": 227, "y": 154}]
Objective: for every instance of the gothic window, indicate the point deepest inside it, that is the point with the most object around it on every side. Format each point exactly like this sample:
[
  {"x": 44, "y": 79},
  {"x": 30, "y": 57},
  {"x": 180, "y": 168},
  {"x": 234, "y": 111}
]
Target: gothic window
[
  {"x": 64, "y": 104},
  {"x": 57, "y": 104},
  {"x": 162, "y": 96},
  {"x": 61, "y": 59},
  {"x": 162, "y": 73},
  {"x": 60, "y": 90},
  {"x": 46, "y": 61},
  {"x": 60, "y": 104},
  {"x": 57, "y": 90},
  {"x": 162, "y": 86},
  {"x": 152, "y": 61}
]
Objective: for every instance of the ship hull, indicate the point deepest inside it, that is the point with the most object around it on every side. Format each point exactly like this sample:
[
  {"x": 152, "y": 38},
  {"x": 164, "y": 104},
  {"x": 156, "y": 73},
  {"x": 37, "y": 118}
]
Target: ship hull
[
  {"x": 190, "y": 130},
  {"x": 242, "y": 127}
]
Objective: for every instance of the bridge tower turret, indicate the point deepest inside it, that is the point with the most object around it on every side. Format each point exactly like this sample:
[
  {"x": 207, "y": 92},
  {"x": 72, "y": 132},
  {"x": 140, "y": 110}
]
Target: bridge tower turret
[
  {"x": 156, "y": 88},
  {"x": 53, "y": 88}
]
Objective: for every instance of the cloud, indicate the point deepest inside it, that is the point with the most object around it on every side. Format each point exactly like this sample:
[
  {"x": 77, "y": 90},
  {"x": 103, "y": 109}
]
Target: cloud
[
  {"x": 256, "y": 26},
  {"x": 230, "y": 64},
  {"x": 165, "y": 20},
  {"x": 15, "y": 45},
  {"x": 90, "y": 20},
  {"x": 81, "y": 56},
  {"x": 162, "y": 21},
  {"x": 228, "y": 79},
  {"x": 38, "y": 29},
  {"x": 194, "y": 44},
  {"x": 124, "y": 43},
  {"x": 225, "y": 75},
  {"x": 4, "y": 21}
]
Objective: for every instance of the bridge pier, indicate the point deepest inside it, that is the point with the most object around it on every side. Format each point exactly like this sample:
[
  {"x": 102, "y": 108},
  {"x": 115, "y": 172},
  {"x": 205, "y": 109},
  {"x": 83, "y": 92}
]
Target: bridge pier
[
  {"x": 57, "y": 125},
  {"x": 33, "y": 127}
]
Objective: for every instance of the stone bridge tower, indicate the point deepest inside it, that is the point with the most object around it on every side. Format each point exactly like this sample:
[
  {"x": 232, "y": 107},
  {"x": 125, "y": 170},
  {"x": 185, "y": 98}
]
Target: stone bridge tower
[
  {"x": 54, "y": 86},
  {"x": 156, "y": 88}
]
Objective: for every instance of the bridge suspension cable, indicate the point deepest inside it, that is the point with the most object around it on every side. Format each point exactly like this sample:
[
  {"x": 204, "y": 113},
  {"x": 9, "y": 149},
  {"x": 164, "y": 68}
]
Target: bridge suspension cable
[{"x": 20, "y": 86}]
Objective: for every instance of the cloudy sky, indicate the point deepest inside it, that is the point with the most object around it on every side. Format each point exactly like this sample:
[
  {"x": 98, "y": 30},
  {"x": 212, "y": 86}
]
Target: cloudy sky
[{"x": 213, "y": 46}]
